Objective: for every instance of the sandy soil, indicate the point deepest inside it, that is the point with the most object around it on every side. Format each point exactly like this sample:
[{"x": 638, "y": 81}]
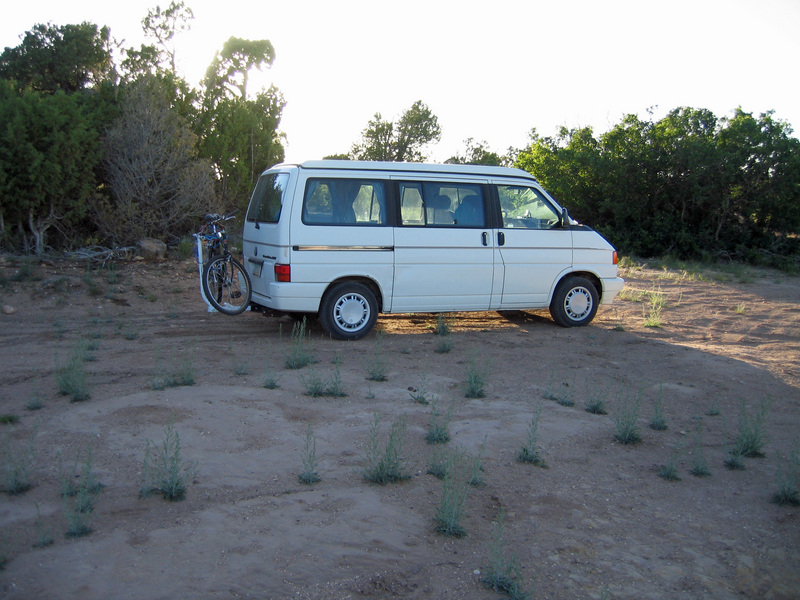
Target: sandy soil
[{"x": 598, "y": 522}]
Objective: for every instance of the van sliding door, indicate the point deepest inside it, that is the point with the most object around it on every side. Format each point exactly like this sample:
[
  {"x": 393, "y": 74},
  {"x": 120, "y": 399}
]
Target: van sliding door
[{"x": 443, "y": 251}]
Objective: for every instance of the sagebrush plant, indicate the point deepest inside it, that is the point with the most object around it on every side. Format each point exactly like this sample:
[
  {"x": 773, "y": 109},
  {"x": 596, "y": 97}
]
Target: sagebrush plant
[
  {"x": 421, "y": 394},
  {"x": 669, "y": 471},
  {"x": 443, "y": 459},
  {"x": 17, "y": 463},
  {"x": 377, "y": 369},
  {"x": 439, "y": 425},
  {"x": 475, "y": 465},
  {"x": 658, "y": 421},
  {"x": 530, "y": 452},
  {"x": 71, "y": 377},
  {"x": 626, "y": 417},
  {"x": 309, "y": 475},
  {"x": 318, "y": 386},
  {"x": 164, "y": 470},
  {"x": 502, "y": 573},
  {"x": 450, "y": 512},
  {"x": 597, "y": 401},
  {"x": 788, "y": 481},
  {"x": 751, "y": 437},
  {"x": 179, "y": 372},
  {"x": 386, "y": 464},
  {"x": 700, "y": 467},
  {"x": 270, "y": 380},
  {"x": 43, "y": 538},
  {"x": 474, "y": 386},
  {"x": 443, "y": 325},
  {"x": 299, "y": 354}
]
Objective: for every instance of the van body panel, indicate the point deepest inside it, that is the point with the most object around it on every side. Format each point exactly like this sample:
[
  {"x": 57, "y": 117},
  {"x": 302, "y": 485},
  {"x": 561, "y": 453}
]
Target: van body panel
[
  {"x": 532, "y": 261},
  {"x": 422, "y": 238},
  {"x": 442, "y": 270}
]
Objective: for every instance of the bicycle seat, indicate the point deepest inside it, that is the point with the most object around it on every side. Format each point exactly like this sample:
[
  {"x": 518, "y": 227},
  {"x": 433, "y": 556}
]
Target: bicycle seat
[{"x": 212, "y": 217}]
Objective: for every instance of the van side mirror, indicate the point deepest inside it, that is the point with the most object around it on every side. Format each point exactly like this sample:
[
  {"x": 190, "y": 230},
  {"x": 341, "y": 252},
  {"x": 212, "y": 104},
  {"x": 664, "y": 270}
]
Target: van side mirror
[{"x": 565, "y": 220}]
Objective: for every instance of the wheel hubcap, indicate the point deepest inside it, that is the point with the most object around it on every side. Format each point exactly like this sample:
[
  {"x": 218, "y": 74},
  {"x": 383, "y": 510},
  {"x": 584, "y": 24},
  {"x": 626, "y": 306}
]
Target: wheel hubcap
[
  {"x": 351, "y": 312},
  {"x": 578, "y": 303}
]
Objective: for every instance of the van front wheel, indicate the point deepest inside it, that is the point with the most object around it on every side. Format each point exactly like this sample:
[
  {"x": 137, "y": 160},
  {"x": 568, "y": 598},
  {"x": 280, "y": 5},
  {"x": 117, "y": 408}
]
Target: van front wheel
[
  {"x": 574, "y": 302},
  {"x": 348, "y": 311}
]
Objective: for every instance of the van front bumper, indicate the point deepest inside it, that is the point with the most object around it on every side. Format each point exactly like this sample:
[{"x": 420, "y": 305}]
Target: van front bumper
[{"x": 611, "y": 287}]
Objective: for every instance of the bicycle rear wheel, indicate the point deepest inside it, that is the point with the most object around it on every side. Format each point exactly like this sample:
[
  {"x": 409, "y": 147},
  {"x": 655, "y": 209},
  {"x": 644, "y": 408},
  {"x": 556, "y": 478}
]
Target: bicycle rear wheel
[{"x": 226, "y": 285}]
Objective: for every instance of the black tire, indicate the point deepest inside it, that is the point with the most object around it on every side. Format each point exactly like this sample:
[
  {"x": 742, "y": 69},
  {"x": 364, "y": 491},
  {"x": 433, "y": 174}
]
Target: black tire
[
  {"x": 574, "y": 302},
  {"x": 226, "y": 285},
  {"x": 348, "y": 311}
]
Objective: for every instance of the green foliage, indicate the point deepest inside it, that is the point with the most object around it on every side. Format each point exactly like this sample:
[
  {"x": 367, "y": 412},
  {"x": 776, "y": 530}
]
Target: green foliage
[
  {"x": 474, "y": 386},
  {"x": 450, "y": 512},
  {"x": 751, "y": 436},
  {"x": 309, "y": 475},
  {"x": 164, "y": 470},
  {"x": 626, "y": 416},
  {"x": 387, "y": 464},
  {"x": 49, "y": 152},
  {"x": 530, "y": 451},
  {"x": 439, "y": 425},
  {"x": 68, "y": 58},
  {"x": 502, "y": 573},
  {"x": 17, "y": 462},
  {"x": 299, "y": 354},
  {"x": 400, "y": 141},
  {"x": 689, "y": 184}
]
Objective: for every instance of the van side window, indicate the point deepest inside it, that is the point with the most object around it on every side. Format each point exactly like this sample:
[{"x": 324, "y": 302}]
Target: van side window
[
  {"x": 526, "y": 208},
  {"x": 344, "y": 202},
  {"x": 265, "y": 206},
  {"x": 441, "y": 204}
]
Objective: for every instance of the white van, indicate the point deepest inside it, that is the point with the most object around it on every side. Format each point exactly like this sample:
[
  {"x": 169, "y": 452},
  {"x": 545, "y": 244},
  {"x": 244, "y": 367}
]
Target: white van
[{"x": 347, "y": 240}]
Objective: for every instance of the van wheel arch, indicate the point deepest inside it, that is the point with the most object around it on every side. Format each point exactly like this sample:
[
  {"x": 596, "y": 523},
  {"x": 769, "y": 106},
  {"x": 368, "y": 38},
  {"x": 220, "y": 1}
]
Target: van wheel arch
[
  {"x": 349, "y": 309},
  {"x": 575, "y": 300}
]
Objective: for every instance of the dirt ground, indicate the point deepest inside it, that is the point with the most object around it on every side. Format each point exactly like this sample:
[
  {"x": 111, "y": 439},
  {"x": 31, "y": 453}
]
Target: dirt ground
[{"x": 598, "y": 522}]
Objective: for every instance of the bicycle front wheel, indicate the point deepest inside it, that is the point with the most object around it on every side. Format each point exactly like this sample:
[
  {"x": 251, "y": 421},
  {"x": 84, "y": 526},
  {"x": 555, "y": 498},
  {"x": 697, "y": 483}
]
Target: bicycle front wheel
[{"x": 226, "y": 285}]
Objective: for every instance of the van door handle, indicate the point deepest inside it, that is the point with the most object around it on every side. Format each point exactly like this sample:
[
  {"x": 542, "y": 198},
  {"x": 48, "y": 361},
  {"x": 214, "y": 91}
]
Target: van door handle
[
  {"x": 501, "y": 238},
  {"x": 485, "y": 238}
]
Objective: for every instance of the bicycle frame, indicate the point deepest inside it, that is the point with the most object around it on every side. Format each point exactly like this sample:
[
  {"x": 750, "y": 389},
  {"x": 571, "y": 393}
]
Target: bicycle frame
[{"x": 217, "y": 236}]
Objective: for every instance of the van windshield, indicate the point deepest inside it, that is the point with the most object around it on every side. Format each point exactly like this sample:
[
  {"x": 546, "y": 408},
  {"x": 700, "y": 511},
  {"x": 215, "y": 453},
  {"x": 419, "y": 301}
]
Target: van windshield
[{"x": 267, "y": 200}]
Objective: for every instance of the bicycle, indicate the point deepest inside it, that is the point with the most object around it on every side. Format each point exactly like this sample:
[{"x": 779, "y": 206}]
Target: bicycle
[{"x": 224, "y": 283}]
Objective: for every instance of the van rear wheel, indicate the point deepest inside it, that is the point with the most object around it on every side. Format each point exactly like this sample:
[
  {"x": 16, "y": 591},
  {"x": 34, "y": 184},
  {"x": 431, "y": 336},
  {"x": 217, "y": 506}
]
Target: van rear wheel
[
  {"x": 348, "y": 311},
  {"x": 574, "y": 302}
]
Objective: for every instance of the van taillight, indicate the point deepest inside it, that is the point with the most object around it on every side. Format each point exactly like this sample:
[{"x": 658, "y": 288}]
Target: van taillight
[
  {"x": 283, "y": 273},
  {"x": 615, "y": 258}
]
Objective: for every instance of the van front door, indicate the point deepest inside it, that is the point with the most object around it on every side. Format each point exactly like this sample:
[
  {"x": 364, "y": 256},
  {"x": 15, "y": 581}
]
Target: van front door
[
  {"x": 533, "y": 247},
  {"x": 443, "y": 251}
]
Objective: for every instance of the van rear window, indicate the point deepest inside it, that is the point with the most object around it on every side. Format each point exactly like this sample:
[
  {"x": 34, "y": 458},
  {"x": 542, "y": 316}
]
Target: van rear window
[
  {"x": 267, "y": 200},
  {"x": 345, "y": 202}
]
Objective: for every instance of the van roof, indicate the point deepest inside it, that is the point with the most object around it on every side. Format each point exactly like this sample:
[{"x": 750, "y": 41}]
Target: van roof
[{"x": 401, "y": 167}]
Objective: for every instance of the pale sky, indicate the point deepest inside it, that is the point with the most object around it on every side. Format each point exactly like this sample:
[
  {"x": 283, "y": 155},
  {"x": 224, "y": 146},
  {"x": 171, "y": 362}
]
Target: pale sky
[{"x": 488, "y": 70}]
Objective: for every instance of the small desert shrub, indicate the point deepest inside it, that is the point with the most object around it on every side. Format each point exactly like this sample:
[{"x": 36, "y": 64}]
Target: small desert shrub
[
  {"x": 531, "y": 452},
  {"x": 43, "y": 538},
  {"x": 452, "y": 504},
  {"x": 699, "y": 466},
  {"x": 71, "y": 377},
  {"x": 420, "y": 394},
  {"x": 734, "y": 461},
  {"x": 626, "y": 417},
  {"x": 439, "y": 425},
  {"x": 669, "y": 471},
  {"x": 476, "y": 376},
  {"x": 317, "y": 386},
  {"x": 751, "y": 437},
  {"x": 299, "y": 355},
  {"x": 475, "y": 467},
  {"x": 658, "y": 421},
  {"x": 17, "y": 462},
  {"x": 309, "y": 475},
  {"x": 788, "y": 481},
  {"x": 179, "y": 373},
  {"x": 444, "y": 345},
  {"x": 387, "y": 464},
  {"x": 443, "y": 325},
  {"x": 597, "y": 401},
  {"x": 270, "y": 380},
  {"x": 164, "y": 470},
  {"x": 77, "y": 516},
  {"x": 502, "y": 573}
]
